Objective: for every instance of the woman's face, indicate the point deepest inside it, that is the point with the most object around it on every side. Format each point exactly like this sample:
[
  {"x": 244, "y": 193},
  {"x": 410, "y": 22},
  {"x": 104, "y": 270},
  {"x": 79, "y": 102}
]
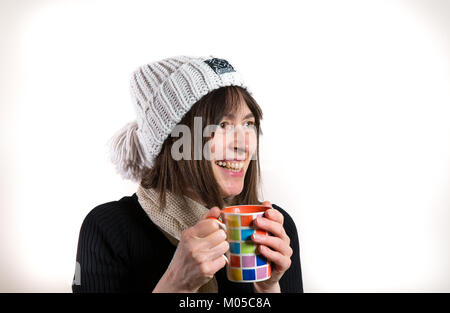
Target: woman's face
[{"x": 232, "y": 148}]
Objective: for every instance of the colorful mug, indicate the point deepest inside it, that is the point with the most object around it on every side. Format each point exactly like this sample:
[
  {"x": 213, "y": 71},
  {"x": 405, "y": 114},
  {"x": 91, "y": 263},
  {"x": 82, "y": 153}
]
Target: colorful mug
[{"x": 245, "y": 264}]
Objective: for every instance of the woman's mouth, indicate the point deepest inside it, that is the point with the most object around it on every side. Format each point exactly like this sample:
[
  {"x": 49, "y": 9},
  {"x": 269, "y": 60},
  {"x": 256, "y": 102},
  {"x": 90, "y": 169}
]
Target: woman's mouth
[{"x": 233, "y": 166}]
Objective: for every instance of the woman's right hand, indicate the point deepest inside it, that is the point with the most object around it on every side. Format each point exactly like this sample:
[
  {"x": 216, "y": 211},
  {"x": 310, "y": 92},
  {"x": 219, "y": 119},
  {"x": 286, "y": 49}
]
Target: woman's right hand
[{"x": 199, "y": 255}]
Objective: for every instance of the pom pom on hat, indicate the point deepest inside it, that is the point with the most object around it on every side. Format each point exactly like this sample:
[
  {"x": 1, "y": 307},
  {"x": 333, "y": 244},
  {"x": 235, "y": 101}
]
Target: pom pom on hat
[{"x": 126, "y": 152}]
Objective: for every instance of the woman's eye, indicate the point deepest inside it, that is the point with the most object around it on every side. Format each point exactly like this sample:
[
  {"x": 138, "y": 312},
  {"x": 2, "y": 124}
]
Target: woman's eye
[
  {"x": 249, "y": 124},
  {"x": 223, "y": 124}
]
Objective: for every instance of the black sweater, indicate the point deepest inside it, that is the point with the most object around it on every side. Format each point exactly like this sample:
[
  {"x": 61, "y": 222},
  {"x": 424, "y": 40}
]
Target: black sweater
[{"x": 121, "y": 250}]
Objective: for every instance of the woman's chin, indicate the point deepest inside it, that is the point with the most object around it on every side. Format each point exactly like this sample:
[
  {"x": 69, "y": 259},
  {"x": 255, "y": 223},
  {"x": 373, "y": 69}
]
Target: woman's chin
[{"x": 231, "y": 191}]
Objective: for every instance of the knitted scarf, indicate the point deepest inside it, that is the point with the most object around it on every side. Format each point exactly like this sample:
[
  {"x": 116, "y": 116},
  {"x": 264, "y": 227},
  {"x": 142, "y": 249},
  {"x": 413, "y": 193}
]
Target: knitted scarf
[{"x": 174, "y": 218}]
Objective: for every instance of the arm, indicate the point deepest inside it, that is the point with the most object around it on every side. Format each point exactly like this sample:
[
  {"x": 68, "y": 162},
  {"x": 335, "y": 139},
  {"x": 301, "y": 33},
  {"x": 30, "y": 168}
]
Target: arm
[
  {"x": 291, "y": 282},
  {"x": 101, "y": 266}
]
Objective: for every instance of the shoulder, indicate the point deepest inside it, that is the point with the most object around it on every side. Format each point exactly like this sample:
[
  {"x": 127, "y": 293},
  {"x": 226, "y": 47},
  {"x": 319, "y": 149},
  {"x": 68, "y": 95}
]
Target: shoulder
[
  {"x": 114, "y": 216},
  {"x": 121, "y": 229}
]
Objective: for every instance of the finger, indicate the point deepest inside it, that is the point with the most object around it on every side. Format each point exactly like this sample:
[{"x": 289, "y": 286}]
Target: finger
[
  {"x": 275, "y": 243},
  {"x": 215, "y": 238},
  {"x": 217, "y": 263},
  {"x": 219, "y": 222},
  {"x": 274, "y": 215},
  {"x": 275, "y": 228},
  {"x": 213, "y": 212},
  {"x": 205, "y": 228},
  {"x": 267, "y": 203},
  {"x": 219, "y": 250},
  {"x": 281, "y": 262}
]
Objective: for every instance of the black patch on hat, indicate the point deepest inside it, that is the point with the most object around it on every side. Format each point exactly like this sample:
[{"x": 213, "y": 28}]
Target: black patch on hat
[{"x": 220, "y": 66}]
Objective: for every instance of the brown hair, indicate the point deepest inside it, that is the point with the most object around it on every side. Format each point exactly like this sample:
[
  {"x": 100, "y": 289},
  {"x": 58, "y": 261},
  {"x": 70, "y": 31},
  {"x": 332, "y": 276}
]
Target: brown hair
[{"x": 168, "y": 174}]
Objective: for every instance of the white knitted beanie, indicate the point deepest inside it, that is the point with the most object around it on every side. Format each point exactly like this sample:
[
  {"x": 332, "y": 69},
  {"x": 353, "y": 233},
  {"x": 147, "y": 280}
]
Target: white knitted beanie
[{"x": 162, "y": 93}]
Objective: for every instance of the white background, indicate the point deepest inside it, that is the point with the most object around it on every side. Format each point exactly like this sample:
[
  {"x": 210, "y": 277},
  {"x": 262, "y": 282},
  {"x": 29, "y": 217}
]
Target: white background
[{"x": 356, "y": 144}]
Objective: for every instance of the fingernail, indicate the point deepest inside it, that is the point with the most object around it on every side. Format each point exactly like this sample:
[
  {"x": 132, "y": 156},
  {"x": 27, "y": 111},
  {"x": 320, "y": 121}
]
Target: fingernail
[
  {"x": 226, "y": 259},
  {"x": 256, "y": 236}
]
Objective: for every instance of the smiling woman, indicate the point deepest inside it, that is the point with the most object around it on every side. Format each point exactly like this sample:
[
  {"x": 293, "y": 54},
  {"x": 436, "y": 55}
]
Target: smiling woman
[{"x": 164, "y": 237}]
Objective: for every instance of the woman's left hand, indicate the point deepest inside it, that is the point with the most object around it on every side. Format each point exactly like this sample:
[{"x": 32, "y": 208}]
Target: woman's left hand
[{"x": 275, "y": 248}]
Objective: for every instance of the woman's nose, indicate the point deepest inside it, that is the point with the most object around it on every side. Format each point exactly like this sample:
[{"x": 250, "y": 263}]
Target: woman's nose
[{"x": 239, "y": 143}]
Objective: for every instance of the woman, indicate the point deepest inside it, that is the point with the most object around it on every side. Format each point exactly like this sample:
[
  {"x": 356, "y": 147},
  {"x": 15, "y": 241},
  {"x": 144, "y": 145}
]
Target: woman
[{"x": 193, "y": 149}]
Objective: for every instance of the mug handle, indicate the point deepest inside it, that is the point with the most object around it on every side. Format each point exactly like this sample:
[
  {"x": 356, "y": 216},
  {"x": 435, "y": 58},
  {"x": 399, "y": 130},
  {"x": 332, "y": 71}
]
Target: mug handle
[{"x": 224, "y": 227}]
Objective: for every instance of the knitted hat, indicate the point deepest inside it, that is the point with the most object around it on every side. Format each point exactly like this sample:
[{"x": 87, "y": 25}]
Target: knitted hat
[{"x": 162, "y": 93}]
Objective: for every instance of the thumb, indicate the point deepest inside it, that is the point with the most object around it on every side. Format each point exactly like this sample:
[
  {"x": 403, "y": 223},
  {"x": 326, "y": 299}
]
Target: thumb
[{"x": 213, "y": 212}]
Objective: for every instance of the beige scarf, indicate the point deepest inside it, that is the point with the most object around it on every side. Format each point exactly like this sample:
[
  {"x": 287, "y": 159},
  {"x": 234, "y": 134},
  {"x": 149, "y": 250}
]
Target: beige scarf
[{"x": 174, "y": 218}]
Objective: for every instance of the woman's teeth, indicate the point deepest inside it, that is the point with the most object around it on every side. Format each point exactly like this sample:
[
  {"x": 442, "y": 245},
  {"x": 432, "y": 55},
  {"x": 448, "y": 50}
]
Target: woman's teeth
[{"x": 232, "y": 166}]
